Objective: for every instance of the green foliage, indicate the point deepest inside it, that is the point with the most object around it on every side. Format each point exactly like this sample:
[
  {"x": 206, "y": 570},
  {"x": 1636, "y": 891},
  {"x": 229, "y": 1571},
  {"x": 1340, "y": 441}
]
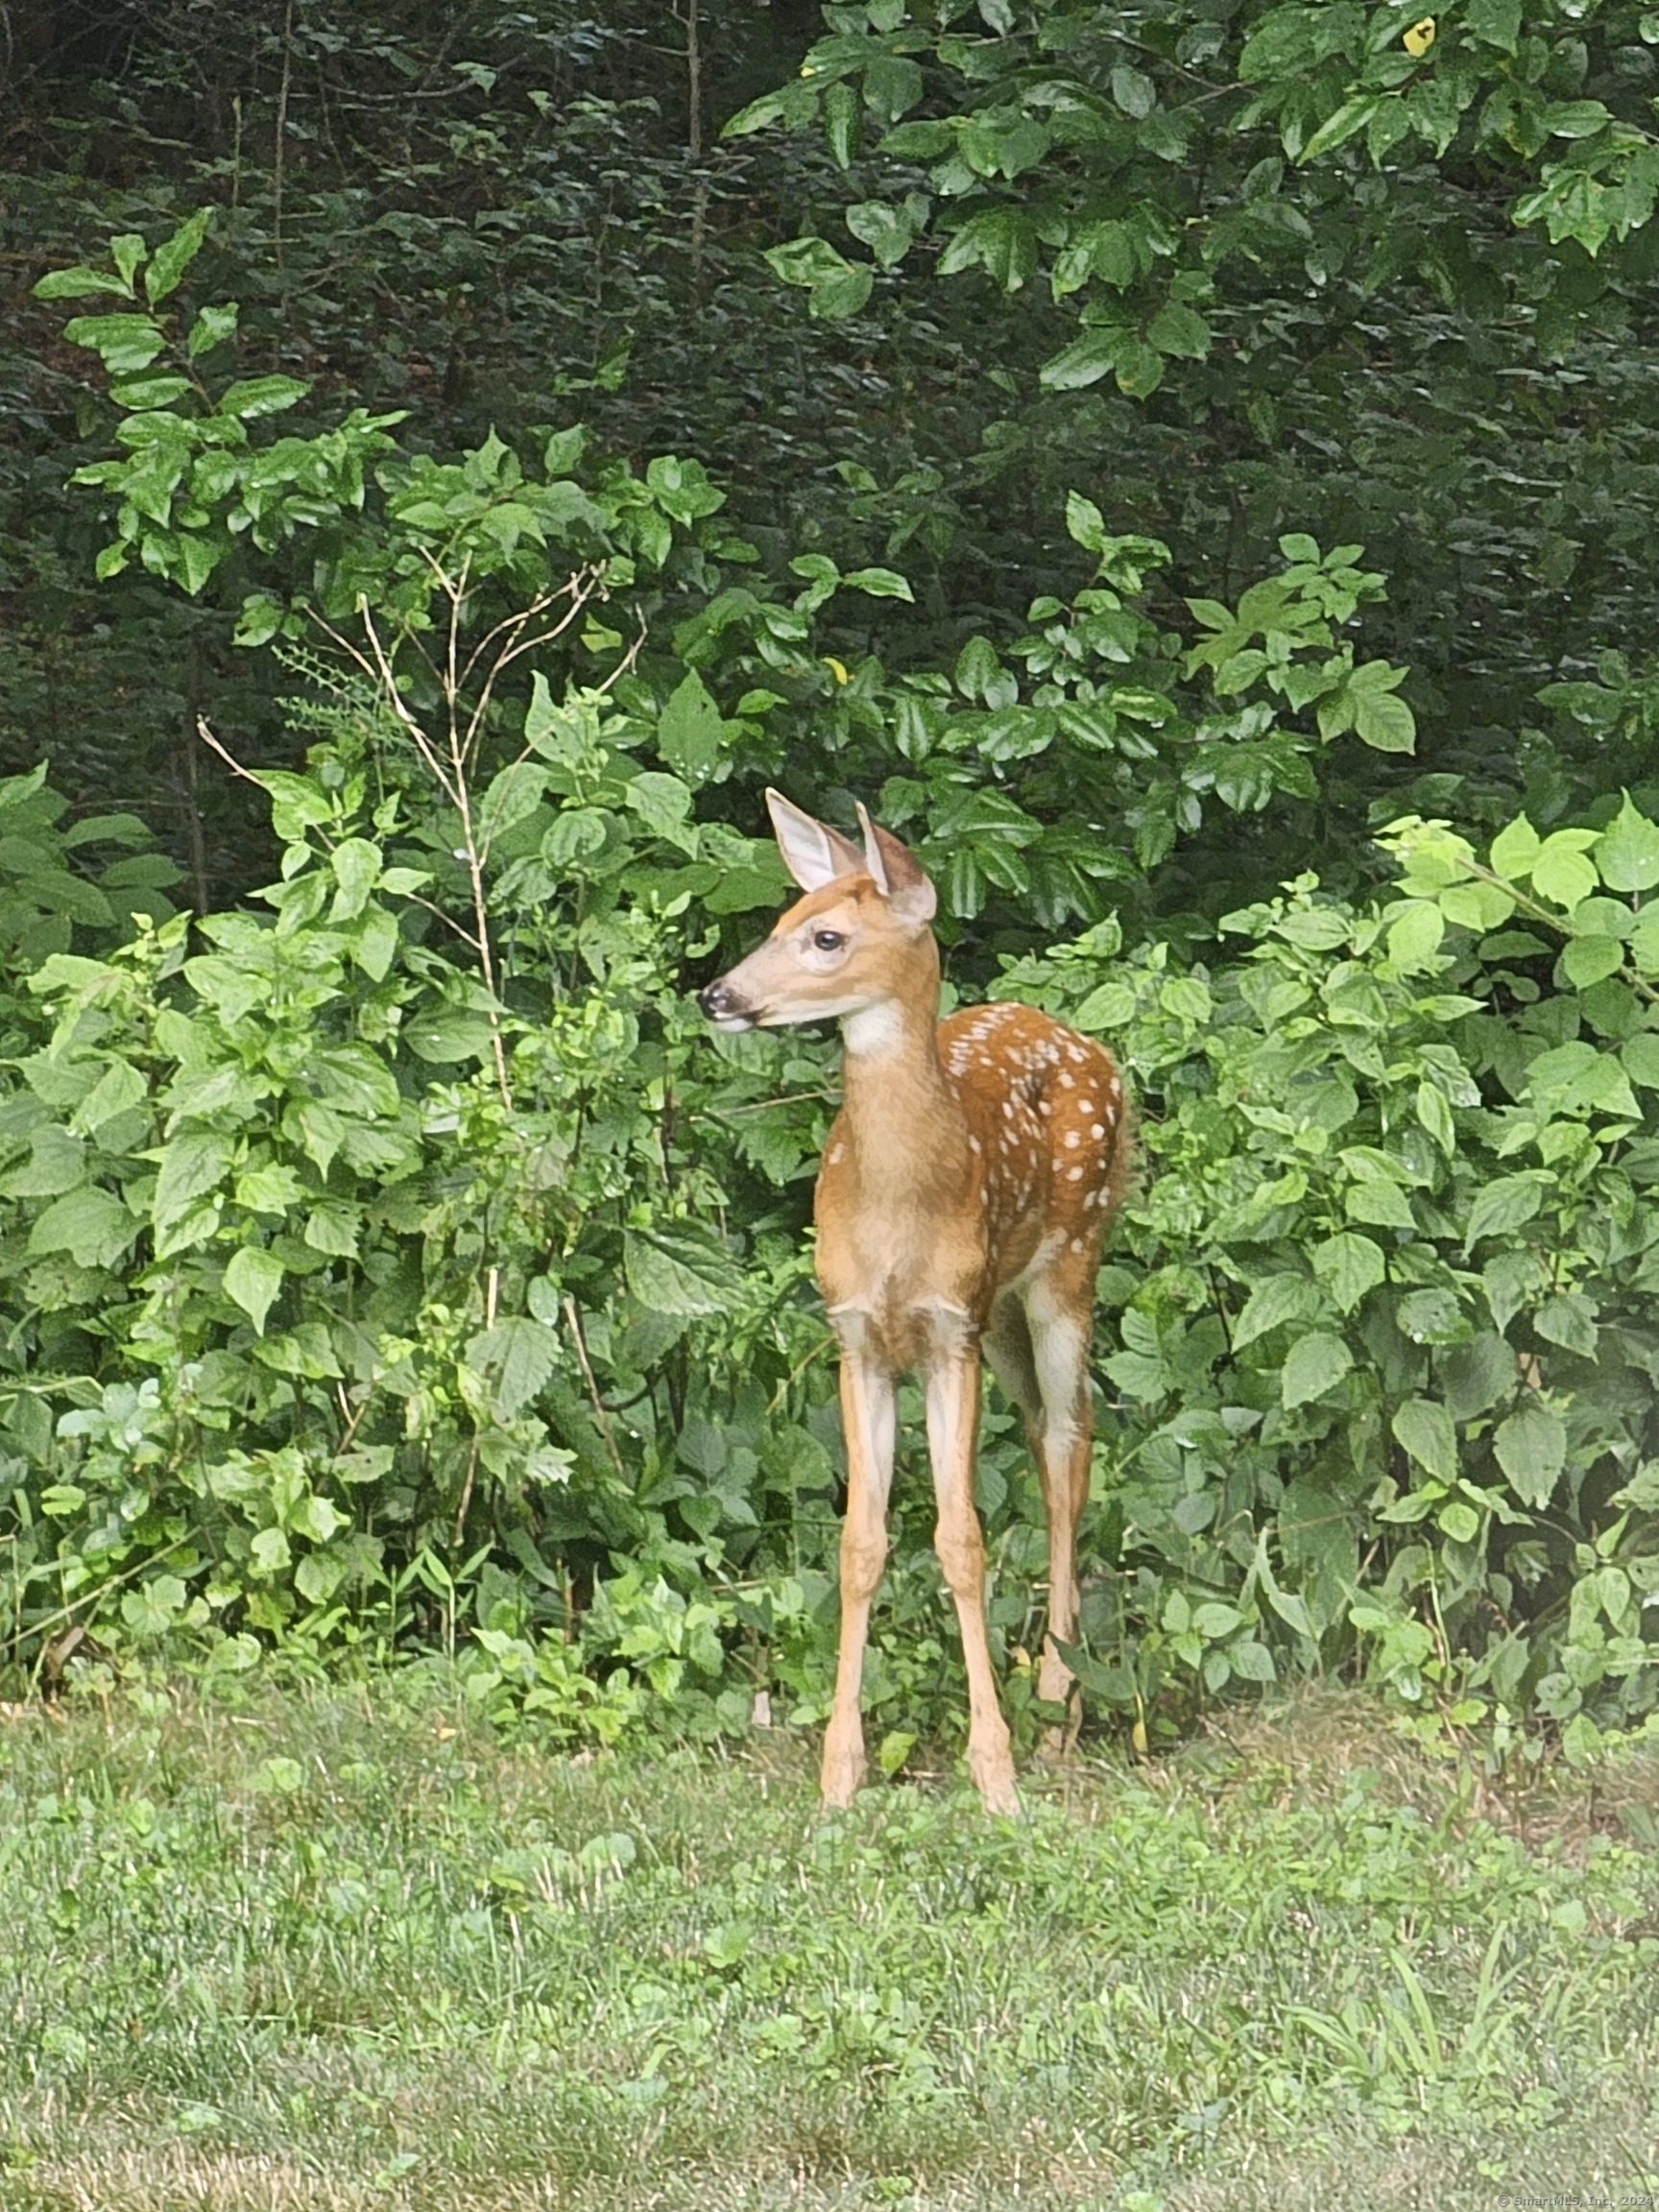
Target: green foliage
[{"x": 395, "y": 1256}]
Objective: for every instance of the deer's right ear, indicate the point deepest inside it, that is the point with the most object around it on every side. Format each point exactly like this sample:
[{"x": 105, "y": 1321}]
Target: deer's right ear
[{"x": 815, "y": 854}]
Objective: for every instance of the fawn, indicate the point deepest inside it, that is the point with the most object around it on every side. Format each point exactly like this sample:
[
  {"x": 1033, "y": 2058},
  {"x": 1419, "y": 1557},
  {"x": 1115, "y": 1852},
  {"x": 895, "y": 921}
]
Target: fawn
[{"x": 964, "y": 1191}]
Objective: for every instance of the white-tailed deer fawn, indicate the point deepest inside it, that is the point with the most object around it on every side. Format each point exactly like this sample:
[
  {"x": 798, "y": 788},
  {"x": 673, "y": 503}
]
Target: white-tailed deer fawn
[{"x": 965, "y": 1190}]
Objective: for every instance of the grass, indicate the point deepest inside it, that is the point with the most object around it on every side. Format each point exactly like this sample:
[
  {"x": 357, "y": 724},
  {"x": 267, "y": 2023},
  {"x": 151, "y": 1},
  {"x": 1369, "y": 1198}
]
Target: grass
[{"x": 343, "y": 1949}]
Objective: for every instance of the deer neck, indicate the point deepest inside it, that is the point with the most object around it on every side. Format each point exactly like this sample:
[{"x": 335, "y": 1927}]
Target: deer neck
[{"x": 905, "y": 1120}]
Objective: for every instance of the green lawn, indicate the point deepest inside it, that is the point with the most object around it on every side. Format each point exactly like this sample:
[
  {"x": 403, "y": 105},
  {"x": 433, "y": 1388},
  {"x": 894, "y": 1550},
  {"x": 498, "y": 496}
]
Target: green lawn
[{"x": 341, "y": 1948}]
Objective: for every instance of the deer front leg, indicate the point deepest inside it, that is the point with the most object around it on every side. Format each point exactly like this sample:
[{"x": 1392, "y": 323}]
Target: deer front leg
[
  {"x": 952, "y": 1435},
  {"x": 866, "y": 1417}
]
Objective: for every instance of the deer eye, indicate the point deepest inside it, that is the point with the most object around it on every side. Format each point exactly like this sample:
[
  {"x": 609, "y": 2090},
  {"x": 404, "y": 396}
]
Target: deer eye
[{"x": 827, "y": 940}]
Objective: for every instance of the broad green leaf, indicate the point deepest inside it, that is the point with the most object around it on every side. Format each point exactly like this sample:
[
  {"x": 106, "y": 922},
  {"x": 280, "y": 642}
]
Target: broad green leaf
[
  {"x": 174, "y": 255},
  {"x": 1424, "y": 1428},
  {"x": 124, "y": 344},
  {"x": 193, "y": 1163},
  {"x": 1562, "y": 872},
  {"x": 1179, "y": 329},
  {"x": 78, "y": 283},
  {"x": 681, "y": 1270},
  {"x": 356, "y": 865},
  {"x": 1458, "y": 1521},
  {"x": 1379, "y": 1204},
  {"x": 1587, "y": 960},
  {"x": 1503, "y": 1204},
  {"x": 1639, "y": 1057},
  {"x": 1414, "y": 936},
  {"x": 257, "y": 396},
  {"x": 1348, "y": 1265},
  {"x": 1315, "y": 1365},
  {"x": 1568, "y": 1319},
  {"x": 878, "y": 583},
  {"x": 518, "y": 1355},
  {"x": 690, "y": 735},
  {"x": 1430, "y": 1318},
  {"x": 1274, "y": 1301},
  {"x": 1532, "y": 1449},
  {"x": 57, "y": 1161},
  {"x": 1515, "y": 849},
  {"x": 1628, "y": 850},
  {"x": 449, "y": 1034},
  {"x": 1476, "y": 1375},
  {"x": 92, "y": 1226},
  {"x": 1086, "y": 360},
  {"x": 253, "y": 1278}
]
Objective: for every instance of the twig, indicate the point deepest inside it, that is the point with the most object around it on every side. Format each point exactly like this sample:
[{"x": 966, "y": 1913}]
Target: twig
[
  {"x": 229, "y": 759},
  {"x": 598, "y": 1403}
]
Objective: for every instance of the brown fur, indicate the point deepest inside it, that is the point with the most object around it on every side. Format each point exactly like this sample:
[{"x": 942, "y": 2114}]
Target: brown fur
[{"x": 964, "y": 1191}]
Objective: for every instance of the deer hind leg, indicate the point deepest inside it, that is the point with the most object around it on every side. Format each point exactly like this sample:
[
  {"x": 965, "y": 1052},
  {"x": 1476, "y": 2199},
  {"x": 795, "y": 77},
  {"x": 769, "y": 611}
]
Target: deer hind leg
[
  {"x": 953, "y": 1391},
  {"x": 867, "y": 1416},
  {"x": 1057, "y": 1311}
]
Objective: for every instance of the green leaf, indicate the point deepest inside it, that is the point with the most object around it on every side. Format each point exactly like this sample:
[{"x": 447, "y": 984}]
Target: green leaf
[
  {"x": 1639, "y": 1057},
  {"x": 92, "y": 1226},
  {"x": 1628, "y": 850},
  {"x": 1561, "y": 872},
  {"x": 1316, "y": 1364},
  {"x": 1476, "y": 1375},
  {"x": 1430, "y": 1318},
  {"x": 174, "y": 255},
  {"x": 1379, "y": 1204},
  {"x": 518, "y": 1355},
  {"x": 879, "y": 583},
  {"x": 124, "y": 344},
  {"x": 685, "y": 1270},
  {"x": 253, "y": 1279},
  {"x": 1274, "y": 1301},
  {"x": 1379, "y": 719},
  {"x": 841, "y": 117},
  {"x": 1348, "y": 1265},
  {"x": 1532, "y": 1449},
  {"x": 1337, "y": 128},
  {"x": 257, "y": 396},
  {"x": 1086, "y": 360},
  {"x": 1424, "y": 1428},
  {"x": 1179, "y": 329},
  {"x": 210, "y": 328},
  {"x": 1587, "y": 960},
  {"x": 77, "y": 284},
  {"x": 449, "y": 1034},
  {"x": 193, "y": 1163},
  {"x": 355, "y": 866},
  {"x": 1568, "y": 1319},
  {"x": 1414, "y": 936},
  {"x": 1515, "y": 849},
  {"x": 690, "y": 735},
  {"x": 1458, "y": 1521},
  {"x": 1503, "y": 1204}
]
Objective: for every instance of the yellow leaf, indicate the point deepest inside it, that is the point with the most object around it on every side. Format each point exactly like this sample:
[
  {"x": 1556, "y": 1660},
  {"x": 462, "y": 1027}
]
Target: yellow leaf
[
  {"x": 1138, "y": 1738},
  {"x": 837, "y": 669},
  {"x": 808, "y": 70},
  {"x": 1419, "y": 38}
]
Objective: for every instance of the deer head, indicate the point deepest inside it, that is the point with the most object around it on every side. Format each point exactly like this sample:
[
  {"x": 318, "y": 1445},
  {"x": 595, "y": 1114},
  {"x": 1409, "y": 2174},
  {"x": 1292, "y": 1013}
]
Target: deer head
[{"x": 857, "y": 943}]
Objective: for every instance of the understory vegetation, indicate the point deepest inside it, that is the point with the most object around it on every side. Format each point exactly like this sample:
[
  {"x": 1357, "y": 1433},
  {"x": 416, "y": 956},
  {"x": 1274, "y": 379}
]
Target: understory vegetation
[
  {"x": 326, "y": 1949},
  {"x": 446, "y": 482}
]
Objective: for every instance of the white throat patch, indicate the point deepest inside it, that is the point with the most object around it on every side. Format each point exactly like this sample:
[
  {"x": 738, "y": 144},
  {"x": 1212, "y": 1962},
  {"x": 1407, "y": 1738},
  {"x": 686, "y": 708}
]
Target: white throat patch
[{"x": 874, "y": 1030}]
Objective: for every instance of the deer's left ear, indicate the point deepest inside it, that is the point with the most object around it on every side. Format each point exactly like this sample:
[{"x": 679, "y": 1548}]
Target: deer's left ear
[
  {"x": 896, "y": 873},
  {"x": 815, "y": 854}
]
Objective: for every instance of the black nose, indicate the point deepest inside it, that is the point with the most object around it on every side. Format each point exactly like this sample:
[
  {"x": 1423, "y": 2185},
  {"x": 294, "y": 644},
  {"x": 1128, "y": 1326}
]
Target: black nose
[{"x": 718, "y": 1000}]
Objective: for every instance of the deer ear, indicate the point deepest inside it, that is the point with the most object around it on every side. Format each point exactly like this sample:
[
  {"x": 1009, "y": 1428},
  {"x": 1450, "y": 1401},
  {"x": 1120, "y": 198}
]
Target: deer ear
[
  {"x": 896, "y": 873},
  {"x": 815, "y": 854}
]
